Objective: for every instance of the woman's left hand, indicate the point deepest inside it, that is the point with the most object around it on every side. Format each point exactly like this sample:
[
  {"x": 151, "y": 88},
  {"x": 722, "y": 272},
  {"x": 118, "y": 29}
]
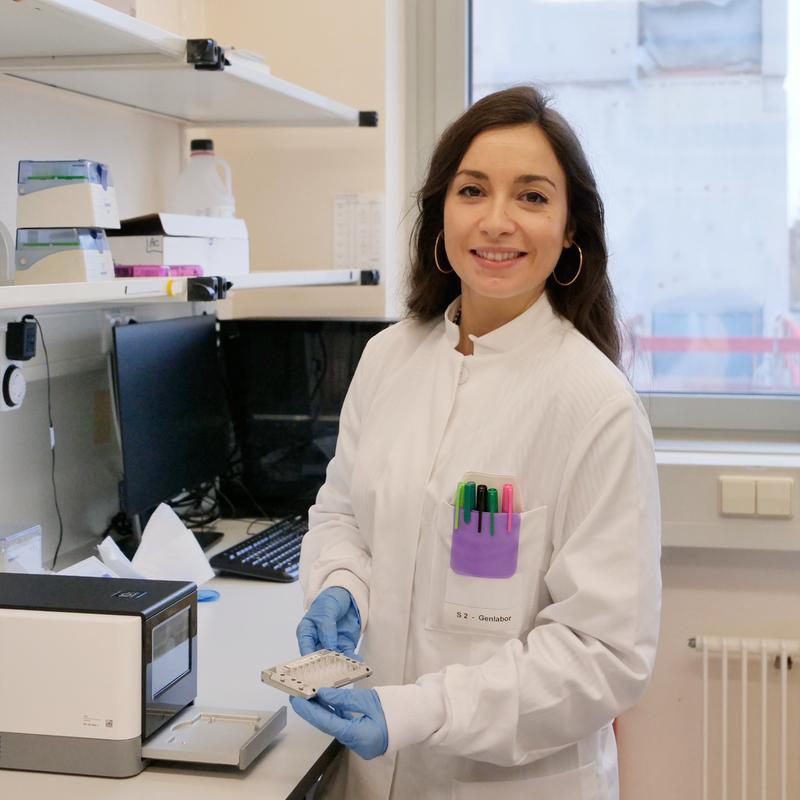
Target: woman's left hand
[{"x": 331, "y": 711}]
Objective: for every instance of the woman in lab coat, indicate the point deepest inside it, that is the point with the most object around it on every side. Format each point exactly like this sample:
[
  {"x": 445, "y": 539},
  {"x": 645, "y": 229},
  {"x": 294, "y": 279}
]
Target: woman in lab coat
[{"x": 500, "y": 657}]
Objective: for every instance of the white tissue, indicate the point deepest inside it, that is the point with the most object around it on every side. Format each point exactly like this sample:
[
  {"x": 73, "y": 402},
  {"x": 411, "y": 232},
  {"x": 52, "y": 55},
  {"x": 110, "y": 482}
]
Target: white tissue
[
  {"x": 169, "y": 551},
  {"x": 91, "y": 567},
  {"x": 116, "y": 560}
]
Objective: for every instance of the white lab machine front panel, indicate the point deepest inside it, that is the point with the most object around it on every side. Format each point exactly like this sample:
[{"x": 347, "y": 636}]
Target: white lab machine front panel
[
  {"x": 83, "y": 674},
  {"x": 99, "y": 675}
]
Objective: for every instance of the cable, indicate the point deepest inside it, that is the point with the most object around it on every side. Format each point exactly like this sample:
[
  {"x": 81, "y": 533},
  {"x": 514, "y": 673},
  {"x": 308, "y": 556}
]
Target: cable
[
  {"x": 119, "y": 524},
  {"x": 52, "y": 437},
  {"x": 227, "y": 499},
  {"x": 234, "y": 474},
  {"x": 241, "y": 485},
  {"x": 196, "y": 508},
  {"x": 321, "y": 369},
  {"x": 256, "y": 521}
]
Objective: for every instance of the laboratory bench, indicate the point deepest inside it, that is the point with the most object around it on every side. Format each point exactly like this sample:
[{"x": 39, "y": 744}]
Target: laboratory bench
[{"x": 251, "y": 626}]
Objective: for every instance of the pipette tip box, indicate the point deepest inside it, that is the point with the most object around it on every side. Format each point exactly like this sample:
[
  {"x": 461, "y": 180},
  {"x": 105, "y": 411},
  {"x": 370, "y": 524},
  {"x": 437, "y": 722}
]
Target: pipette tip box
[
  {"x": 62, "y": 255},
  {"x": 20, "y": 548},
  {"x": 66, "y": 194}
]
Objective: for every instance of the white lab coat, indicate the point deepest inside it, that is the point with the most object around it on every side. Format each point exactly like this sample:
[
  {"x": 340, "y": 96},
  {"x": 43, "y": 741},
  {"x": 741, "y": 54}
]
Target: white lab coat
[{"x": 519, "y": 708}]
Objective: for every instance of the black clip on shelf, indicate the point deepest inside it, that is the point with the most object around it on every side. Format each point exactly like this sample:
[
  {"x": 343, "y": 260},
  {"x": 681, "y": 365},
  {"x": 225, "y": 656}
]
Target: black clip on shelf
[
  {"x": 206, "y": 54},
  {"x": 370, "y": 277},
  {"x": 207, "y": 288}
]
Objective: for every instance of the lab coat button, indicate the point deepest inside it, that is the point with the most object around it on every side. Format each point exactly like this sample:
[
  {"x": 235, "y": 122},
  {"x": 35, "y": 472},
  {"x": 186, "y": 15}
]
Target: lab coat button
[{"x": 463, "y": 375}]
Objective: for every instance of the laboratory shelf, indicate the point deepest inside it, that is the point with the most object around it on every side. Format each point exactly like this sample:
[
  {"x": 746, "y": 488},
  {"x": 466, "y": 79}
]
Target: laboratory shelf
[
  {"x": 145, "y": 290},
  {"x": 264, "y": 279},
  {"x": 88, "y": 48},
  {"x": 329, "y": 293},
  {"x": 133, "y": 290}
]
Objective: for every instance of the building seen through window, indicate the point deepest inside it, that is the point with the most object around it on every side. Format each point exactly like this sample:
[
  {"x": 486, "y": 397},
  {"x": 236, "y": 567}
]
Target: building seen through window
[{"x": 688, "y": 112}]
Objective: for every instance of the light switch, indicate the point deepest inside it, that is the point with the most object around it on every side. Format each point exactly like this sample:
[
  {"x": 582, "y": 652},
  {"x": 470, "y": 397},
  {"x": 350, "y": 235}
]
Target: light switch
[
  {"x": 737, "y": 495},
  {"x": 774, "y": 497}
]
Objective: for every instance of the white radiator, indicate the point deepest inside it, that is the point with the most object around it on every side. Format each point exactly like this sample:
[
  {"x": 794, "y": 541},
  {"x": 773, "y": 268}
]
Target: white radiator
[{"x": 761, "y": 743}]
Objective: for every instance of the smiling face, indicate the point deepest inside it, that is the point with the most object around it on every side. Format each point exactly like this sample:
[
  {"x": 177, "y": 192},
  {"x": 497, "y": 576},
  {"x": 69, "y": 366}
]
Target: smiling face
[{"x": 505, "y": 220}]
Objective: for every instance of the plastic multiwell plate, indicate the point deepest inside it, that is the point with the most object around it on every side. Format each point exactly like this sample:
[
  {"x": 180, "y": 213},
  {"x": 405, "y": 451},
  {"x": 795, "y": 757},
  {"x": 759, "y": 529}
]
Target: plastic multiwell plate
[{"x": 305, "y": 676}]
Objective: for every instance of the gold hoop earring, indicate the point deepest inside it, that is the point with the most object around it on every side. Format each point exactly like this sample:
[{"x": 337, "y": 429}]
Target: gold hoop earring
[
  {"x": 436, "y": 255},
  {"x": 580, "y": 267}
]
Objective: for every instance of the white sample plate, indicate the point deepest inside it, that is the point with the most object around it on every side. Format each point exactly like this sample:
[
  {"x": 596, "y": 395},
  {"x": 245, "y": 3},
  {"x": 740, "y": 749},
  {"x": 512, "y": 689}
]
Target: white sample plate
[{"x": 304, "y": 676}]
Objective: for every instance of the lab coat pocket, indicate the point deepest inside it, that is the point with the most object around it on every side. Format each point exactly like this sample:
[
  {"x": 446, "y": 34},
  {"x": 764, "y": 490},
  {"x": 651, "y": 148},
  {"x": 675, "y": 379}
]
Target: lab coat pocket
[
  {"x": 485, "y": 582},
  {"x": 577, "y": 784}
]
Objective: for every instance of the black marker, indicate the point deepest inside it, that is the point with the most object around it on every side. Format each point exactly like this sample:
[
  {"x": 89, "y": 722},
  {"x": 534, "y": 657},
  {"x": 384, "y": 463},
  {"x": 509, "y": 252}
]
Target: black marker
[{"x": 481, "y": 503}]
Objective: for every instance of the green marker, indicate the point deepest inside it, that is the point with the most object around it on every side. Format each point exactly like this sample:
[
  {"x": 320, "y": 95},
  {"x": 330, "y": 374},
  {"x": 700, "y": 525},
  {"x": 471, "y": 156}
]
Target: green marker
[
  {"x": 469, "y": 499},
  {"x": 458, "y": 502},
  {"x": 492, "y": 503}
]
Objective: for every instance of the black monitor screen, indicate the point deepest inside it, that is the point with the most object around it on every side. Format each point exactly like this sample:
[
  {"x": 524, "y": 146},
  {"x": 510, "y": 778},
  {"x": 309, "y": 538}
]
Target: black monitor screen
[
  {"x": 287, "y": 379},
  {"x": 171, "y": 409}
]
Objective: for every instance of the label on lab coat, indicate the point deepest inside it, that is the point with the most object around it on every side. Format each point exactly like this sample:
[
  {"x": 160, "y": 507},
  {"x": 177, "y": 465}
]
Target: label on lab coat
[
  {"x": 477, "y": 619},
  {"x": 489, "y": 606}
]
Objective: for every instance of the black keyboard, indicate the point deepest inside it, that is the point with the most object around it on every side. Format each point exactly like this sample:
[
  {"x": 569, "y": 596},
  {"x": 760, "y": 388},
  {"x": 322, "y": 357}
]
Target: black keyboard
[{"x": 272, "y": 554}]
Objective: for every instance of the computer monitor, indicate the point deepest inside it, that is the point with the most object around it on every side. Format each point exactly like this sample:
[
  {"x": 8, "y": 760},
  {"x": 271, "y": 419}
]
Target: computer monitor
[
  {"x": 171, "y": 409},
  {"x": 286, "y": 381}
]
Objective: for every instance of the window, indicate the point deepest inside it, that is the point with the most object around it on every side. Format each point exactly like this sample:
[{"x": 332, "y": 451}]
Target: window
[
  {"x": 688, "y": 111},
  {"x": 683, "y": 108}
]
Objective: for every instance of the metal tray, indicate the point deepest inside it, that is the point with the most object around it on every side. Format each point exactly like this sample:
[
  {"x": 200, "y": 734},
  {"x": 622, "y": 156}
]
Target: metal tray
[{"x": 216, "y": 736}]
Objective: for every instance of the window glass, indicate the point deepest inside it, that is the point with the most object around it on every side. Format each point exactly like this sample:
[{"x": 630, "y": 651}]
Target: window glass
[{"x": 688, "y": 111}]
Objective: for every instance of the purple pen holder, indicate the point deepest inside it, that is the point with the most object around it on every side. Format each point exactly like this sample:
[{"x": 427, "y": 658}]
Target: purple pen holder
[{"x": 483, "y": 554}]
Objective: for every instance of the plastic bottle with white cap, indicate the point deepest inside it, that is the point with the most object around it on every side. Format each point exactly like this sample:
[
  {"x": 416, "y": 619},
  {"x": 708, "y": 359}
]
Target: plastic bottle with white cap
[{"x": 204, "y": 188}]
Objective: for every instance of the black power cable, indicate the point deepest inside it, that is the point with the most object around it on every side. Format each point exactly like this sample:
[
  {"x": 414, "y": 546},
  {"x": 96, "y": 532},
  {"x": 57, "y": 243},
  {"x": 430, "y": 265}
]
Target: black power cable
[{"x": 52, "y": 437}]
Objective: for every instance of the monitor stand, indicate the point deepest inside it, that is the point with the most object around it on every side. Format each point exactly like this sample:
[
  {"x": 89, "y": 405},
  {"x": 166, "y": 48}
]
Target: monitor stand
[{"x": 207, "y": 538}]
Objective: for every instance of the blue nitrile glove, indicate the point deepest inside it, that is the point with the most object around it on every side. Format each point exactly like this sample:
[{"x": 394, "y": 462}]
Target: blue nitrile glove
[
  {"x": 331, "y": 622},
  {"x": 331, "y": 711}
]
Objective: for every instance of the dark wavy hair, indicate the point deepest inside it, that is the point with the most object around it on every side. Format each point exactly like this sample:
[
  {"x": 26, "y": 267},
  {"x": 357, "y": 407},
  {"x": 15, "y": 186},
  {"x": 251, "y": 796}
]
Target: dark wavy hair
[{"x": 589, "y": 302}]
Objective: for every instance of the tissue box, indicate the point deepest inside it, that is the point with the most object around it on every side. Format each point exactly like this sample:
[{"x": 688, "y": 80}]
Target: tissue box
[
  {"x": 62, "y": 255},
  {"x": 20, "y": 548},
  {"x": 65, "y": 194},
  {"x": 218, "y": 245}
]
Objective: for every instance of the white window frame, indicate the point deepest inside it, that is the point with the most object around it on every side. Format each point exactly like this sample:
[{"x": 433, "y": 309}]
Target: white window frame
[
  {"x": 436, "y": 77},
  {"x": 437, "y": 58}
]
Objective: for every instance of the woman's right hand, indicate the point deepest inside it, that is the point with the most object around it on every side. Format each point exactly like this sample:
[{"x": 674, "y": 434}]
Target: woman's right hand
[{"x": 332, "y": 622}]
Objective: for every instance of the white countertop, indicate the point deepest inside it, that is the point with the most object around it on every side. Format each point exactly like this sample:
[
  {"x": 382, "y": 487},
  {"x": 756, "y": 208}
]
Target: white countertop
[{"x": 251, "y": 626}]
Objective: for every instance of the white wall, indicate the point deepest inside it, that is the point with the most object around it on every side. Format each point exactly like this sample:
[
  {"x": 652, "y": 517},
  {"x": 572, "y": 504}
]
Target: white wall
[
  {"x": 285, "y": 184},
  {"x": 733, "y": 593},
  {"x": 40, "y": 122},
  {"x": 285, "y": 179},
  {"x": 184, "y": 17},
  {"x": 143, "y": 153}
]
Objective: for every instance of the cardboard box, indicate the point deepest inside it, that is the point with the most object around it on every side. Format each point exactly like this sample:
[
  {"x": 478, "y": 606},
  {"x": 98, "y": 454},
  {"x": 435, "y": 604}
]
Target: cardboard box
[{"x": 219, "y": 245}]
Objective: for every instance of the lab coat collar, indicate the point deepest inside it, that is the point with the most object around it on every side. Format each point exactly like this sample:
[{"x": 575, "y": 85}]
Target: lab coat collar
[{"x": 520, "y": 331}]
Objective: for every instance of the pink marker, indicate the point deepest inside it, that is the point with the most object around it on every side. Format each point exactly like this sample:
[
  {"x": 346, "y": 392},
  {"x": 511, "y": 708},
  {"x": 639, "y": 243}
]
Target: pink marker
[{"x": 508, "y": 503}]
